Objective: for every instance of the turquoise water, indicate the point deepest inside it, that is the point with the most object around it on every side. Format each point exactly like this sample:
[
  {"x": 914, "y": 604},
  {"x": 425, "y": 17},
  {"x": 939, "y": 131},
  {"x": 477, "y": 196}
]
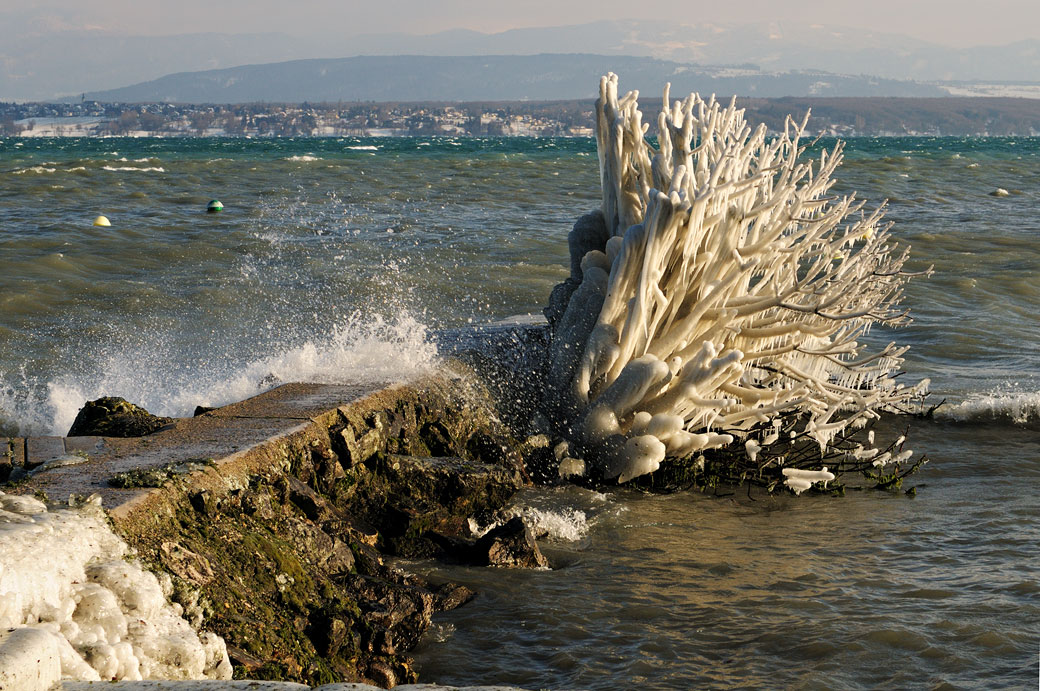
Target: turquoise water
[{"x": 335, "y": 259}]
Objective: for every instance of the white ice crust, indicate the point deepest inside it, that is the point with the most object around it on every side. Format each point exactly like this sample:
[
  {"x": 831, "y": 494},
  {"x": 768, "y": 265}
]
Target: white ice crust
[{"x": 65, "y": 573}]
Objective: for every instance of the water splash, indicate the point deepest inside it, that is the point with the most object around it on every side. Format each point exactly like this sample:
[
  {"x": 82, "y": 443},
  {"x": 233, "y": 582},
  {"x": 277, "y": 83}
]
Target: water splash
[
  {"x": 1018, "y": 407},
  {"x": 362, "y": 350}
]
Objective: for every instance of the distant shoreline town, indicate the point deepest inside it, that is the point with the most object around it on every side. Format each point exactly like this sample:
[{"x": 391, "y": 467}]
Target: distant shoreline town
[{"x": 847, "y": 117}]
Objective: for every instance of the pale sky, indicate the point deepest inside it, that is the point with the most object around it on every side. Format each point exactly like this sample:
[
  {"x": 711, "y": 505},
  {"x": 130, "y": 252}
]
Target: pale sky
[{"x": 949, "y": 22}]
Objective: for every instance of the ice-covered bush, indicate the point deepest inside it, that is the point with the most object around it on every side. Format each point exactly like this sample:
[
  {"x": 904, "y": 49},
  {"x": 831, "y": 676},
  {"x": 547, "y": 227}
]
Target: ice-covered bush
[{"x": 718, "y": 297}]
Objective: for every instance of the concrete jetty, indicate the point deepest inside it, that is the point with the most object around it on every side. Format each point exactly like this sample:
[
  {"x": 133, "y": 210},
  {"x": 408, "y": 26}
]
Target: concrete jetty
[{"x": 224, "y": 436}]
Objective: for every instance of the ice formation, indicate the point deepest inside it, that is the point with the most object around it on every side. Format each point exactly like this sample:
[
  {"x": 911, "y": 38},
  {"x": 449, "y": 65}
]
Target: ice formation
[
  {"x": 801, "y": 480},
  {"x": 66, "y": 573},
  {"x": 721, "y": 288}
]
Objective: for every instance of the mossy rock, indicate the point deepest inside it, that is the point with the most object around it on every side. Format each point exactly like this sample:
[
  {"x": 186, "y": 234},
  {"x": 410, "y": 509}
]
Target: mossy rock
[{"x": 112, "y": 416}]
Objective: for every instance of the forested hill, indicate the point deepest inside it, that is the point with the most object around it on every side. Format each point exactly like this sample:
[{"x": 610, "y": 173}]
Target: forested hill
[{"x": 494, "y": 77}]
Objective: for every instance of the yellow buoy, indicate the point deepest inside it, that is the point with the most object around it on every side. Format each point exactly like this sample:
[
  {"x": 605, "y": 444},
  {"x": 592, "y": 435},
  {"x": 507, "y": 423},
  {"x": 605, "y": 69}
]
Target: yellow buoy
[{"x": 101, "y": 221}]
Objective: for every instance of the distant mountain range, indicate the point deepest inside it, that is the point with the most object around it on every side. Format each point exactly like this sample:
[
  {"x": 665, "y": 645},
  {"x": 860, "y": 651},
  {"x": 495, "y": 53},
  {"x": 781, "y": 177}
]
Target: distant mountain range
[
  {"x": 49, "y": 64},
  {"x": 487, "y": 78}
]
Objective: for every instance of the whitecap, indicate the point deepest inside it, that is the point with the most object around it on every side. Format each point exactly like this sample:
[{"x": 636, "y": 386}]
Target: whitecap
[
  {"x": 146, "y": 169},
  {"x": 35, "y": 169}
]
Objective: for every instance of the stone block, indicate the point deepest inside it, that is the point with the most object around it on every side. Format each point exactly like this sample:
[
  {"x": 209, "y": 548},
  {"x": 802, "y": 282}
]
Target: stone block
[{"x": 16, "y": 447}]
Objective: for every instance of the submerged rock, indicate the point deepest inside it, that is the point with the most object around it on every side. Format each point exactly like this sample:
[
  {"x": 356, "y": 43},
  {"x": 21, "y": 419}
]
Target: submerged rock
[
  {"x": 510, "y": 544},
  {"x": 112, "y": 416}
]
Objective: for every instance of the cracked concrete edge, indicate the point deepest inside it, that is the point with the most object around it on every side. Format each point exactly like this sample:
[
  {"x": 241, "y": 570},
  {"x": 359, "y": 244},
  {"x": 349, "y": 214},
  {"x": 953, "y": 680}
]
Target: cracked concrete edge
[{"x": 238, "y": 463}]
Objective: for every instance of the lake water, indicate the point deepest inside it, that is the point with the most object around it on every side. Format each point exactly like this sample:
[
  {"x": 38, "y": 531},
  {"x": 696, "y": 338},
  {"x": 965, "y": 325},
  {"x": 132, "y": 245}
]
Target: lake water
[{"x": 336, "y": 259}]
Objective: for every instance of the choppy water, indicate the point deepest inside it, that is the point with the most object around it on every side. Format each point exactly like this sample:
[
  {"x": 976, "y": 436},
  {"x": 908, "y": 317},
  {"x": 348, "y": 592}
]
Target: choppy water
[{"x": 334, "y": 259}]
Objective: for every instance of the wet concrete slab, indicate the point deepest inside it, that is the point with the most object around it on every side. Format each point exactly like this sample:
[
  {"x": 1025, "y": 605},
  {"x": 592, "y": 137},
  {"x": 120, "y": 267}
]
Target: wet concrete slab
[
  {"x": 39, "y": 450},
  {"x": 212, "y": 438}
]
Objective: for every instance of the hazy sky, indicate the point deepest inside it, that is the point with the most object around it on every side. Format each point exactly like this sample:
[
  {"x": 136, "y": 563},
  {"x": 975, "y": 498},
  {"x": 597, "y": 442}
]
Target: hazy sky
[{"x": 950, "y": 22}]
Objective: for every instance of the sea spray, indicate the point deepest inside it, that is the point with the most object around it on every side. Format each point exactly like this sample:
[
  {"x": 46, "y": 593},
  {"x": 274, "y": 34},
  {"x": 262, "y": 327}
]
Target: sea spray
[
  {"x": 559, "y": 514},
  {"x": 363, "y": 350},
  {"x": 267, "y": 321}
]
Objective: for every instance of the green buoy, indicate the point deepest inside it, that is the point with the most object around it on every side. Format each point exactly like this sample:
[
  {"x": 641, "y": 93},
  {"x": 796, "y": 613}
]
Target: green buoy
[{"x": 214, "y": 206}]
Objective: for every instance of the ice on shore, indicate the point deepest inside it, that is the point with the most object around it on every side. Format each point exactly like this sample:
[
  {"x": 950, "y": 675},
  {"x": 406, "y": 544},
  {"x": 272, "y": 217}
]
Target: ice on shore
[{"x": 65, "y": 573}]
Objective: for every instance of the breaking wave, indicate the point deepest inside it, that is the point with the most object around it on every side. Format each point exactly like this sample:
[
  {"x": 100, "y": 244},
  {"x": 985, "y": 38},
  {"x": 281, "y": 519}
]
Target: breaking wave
[{"x": 1018, "y": 407}]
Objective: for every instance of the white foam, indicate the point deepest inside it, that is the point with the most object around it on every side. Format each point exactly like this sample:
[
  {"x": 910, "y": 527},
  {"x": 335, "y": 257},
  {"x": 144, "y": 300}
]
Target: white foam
[
  {"x": 364, "y": 148},
  {"x": 35, "y": 169},
  {"x": 64, "y": 572},
  {"x": 550, "y": 514},
  {"x": 304, "y": 158}
]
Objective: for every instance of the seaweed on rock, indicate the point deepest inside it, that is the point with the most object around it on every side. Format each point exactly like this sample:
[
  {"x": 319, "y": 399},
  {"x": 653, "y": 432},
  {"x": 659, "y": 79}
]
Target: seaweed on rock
[{"x": 717, "y": 299}]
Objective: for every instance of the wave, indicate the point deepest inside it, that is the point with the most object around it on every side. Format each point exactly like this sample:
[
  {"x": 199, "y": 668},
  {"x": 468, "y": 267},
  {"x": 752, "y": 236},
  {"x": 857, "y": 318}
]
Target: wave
[
  {"x": 563, "y": 525},
  {"x": 44, "y": 168},
  {"x": 560, "y": 514},
  {"x": 305, "y": 158},
  {"x": 367, "y": 351},
  {"x": 1018, "y": 407},
  {"x": 364, "y": 148},
  {"x": 39, "y": 170}
]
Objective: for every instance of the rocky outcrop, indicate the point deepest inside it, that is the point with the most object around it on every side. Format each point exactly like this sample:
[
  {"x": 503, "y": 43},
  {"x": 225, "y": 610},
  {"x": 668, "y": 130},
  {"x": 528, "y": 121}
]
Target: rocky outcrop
[
  {"x": 112, "y": 416},
  {"x": 421, "y": 505},
  {"x": 285, "y": 559}
]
